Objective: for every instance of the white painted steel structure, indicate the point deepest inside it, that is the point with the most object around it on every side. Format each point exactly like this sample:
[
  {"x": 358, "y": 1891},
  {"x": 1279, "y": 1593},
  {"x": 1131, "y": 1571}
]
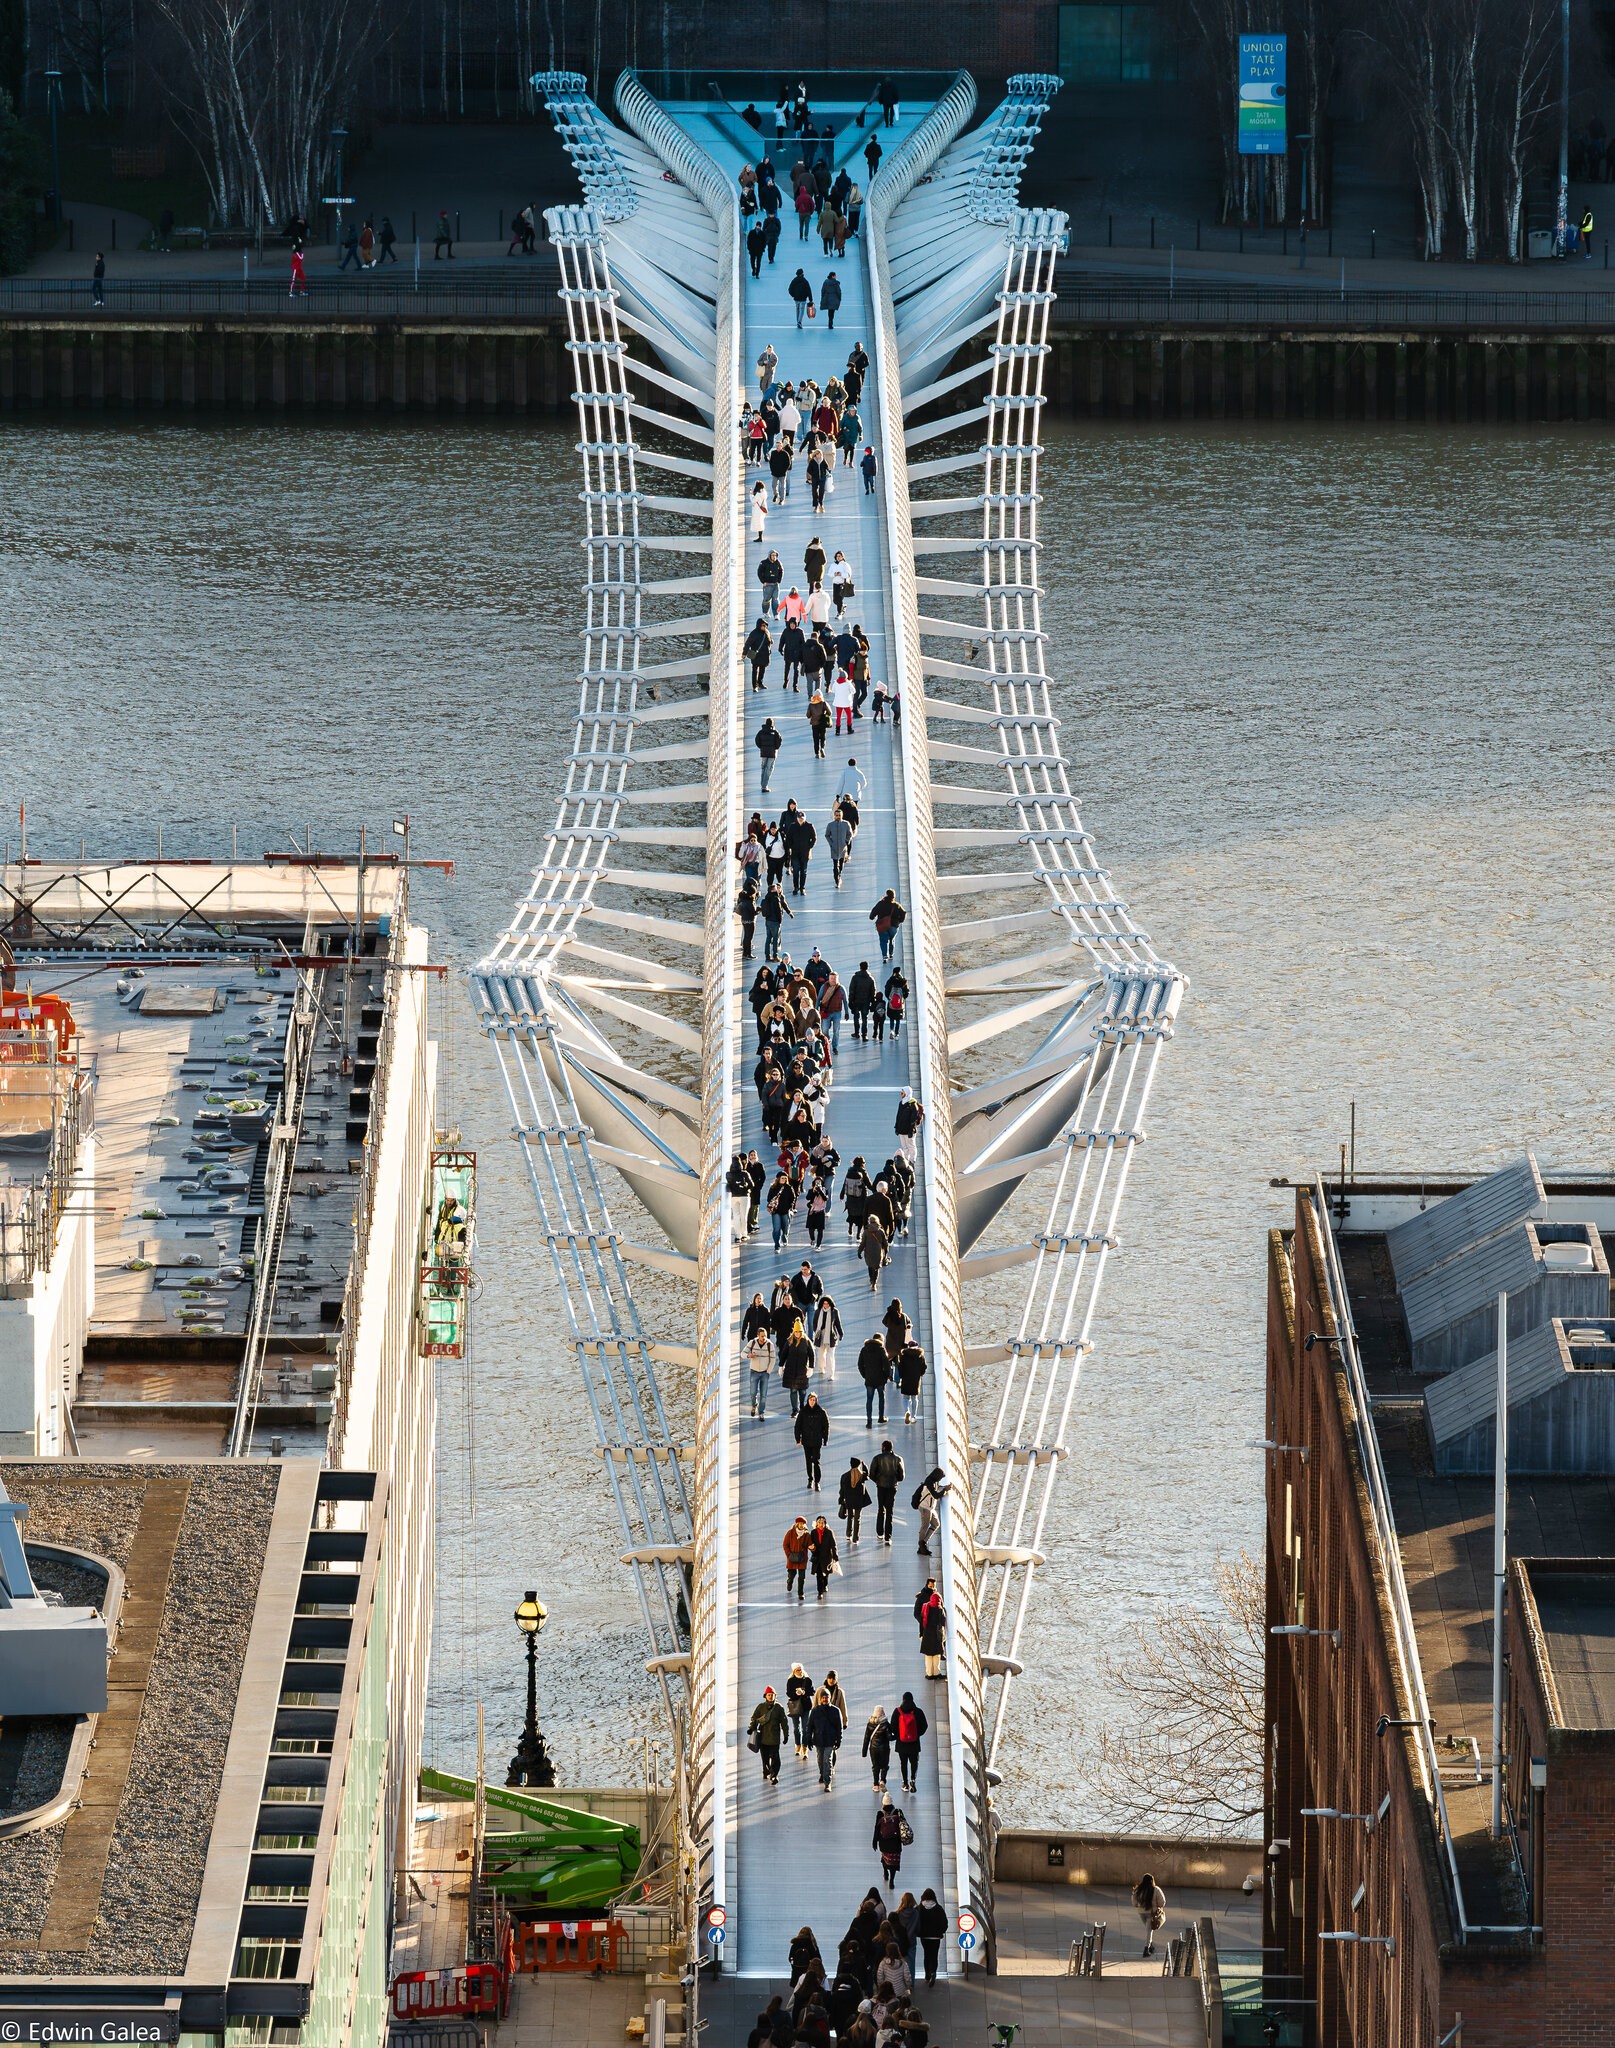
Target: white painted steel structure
[{"x": 1047, "y": 1054}]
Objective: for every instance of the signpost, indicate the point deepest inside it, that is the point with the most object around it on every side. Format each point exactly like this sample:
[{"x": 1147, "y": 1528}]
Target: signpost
[
  {"x": 717, "y": 1929},
  {"x": 1261, "y": 106},
  {"x": 967, "y": 1933}
]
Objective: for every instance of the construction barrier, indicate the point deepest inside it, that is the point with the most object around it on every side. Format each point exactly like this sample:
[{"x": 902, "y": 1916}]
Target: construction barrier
[
  {"x": 430, "y": 1994},
  {"x": 568, "y": 1944}
]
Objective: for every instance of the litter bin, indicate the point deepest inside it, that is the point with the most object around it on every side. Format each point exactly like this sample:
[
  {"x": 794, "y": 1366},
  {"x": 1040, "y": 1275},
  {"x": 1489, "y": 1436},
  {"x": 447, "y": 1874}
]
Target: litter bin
[{"x": 1539, "y": 244}]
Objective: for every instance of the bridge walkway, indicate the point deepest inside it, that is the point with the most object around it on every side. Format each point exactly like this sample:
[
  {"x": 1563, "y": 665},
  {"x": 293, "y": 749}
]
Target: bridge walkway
[{"x": 802, "y": 1855}]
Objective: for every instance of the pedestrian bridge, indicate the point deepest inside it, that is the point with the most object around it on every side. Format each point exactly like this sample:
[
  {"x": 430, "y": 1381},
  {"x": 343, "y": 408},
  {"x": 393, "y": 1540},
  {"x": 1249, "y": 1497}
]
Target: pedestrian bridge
[{"x": 617, "y": 1000}]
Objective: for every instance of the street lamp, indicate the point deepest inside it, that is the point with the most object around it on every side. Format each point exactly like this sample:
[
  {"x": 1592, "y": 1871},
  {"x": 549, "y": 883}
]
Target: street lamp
[
  {"x": 531, "y": 1764},
  {"x": 1295, "y": 1628},
  {"x": 55, "y": 91},
  {"x": 1335, "y": 1813},
  {"x": 339, "y": 135}
]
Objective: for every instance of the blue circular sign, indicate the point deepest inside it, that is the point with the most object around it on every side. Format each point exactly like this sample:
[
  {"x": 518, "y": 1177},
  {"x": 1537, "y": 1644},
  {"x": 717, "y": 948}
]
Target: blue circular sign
[
  {"x": 717, "y": 1934},
  {"x": 967, "y": 1940}
]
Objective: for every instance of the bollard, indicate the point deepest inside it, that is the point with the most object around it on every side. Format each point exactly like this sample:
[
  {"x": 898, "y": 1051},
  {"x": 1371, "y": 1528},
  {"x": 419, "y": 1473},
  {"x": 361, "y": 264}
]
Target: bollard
[{"x": 1373, "y": 244}]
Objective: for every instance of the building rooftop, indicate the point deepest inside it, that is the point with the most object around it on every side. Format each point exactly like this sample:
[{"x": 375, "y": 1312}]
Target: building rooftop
[
  {"x": 1444, "y": 1523},
  {"x": 227, "y": 1056},
  {"x": 1576, "y": 1613}
]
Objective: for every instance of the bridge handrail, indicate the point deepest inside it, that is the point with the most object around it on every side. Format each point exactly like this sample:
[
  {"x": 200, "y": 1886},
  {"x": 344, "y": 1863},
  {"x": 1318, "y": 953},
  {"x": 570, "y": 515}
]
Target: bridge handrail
[
  {"x": 714, "y": 1739},
  {"x": 970, "y": 1853}
]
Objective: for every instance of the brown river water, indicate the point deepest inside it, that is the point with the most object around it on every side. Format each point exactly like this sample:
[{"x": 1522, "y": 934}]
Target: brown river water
[{"x": 1337, "y": 700}]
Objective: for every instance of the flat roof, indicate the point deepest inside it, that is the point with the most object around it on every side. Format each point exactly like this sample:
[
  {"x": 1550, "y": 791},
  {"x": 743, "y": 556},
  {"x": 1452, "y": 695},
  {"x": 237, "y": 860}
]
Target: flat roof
[
  {"x": 114, "y": 1889},
  {"x": 1577, "y": 1613},
  {"x": 1445, "y": 1528}
]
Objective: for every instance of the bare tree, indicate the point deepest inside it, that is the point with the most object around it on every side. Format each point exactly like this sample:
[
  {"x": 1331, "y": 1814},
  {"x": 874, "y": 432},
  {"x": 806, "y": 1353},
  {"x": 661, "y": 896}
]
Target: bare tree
[
  {"x": 1191, "y": 1761},
  {"x": 1527, "y": 71}
]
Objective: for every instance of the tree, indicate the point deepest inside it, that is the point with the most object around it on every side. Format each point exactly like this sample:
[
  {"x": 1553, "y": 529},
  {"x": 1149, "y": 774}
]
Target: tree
[
  {"x": 22, "y": 181},
  {"x": 1191, "y": 1762},
  {"x": 13, "y": 48}
]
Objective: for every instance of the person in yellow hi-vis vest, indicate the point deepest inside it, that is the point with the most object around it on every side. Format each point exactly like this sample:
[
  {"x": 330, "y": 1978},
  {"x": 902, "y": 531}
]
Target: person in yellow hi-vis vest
[{"x": 1587, "y": 235}]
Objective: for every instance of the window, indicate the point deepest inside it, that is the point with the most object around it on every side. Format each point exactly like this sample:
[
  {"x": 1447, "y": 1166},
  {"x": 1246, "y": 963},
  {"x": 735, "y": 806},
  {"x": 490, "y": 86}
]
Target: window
[
  {"x": 271, "y": 1960},
  {"x": 1109, "y": 45}
]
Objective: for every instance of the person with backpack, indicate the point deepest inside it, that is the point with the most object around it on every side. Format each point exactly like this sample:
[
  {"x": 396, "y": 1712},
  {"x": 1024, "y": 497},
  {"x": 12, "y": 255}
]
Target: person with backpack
[
  {"x": 886, "y": 1470},
  {"x": 765, "y": 1731},
  {"x": 812, "y": 1433},
  {"x": 892, "y": 1833},
  {"x": 908, "y": 1726},
  {"x": 896, "y": 1004},
  {"x": 1150, "y": 1901},
  {"x": 799, "y": 1691},
  {"x": 932, "y": 1928},
  {"x": 796, "y": 1544},
  {"x": 760, "y": 1363},
  {"x": 823, "y": 1554},
  {"x": 824, "y": 1730},
  {"x": 928, "y": 1496},
  {"x": 878, "y": 1746},
  {"x": 853, "y": 1498},
  {"x": 887, "y": 917},
  {"x": 746, "y": 911},
  {"x": 910, "y": 1115}
]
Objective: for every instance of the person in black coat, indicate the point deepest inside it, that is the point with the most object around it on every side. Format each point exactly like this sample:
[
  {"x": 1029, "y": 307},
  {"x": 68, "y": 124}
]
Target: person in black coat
[
  {"x": 875, "y": 1370},
  {"x": 822, "y": 1553},
  {"x": 933, "y": 1931},
  {"x": 803, "y": 1950},
  {"x": 854, "y": 1498},
  {"x": 830, "y": 298},
  {"x": 756, "y": 246},
  {"x": 911, "y": 1371},
  {"x": 792, "y": 643},
  {"x": 861, "y": 990},
  {"x": 812, "y": 1432},
  {"x": 770, "y": 575},
  {"x": 886, "y": 1470},
  {"x": 909, "y": 1724},
  {"x": 758, "y": 648},
  {"x": 878, "y": 1746},
  {"x": 824, "y": 1732}
]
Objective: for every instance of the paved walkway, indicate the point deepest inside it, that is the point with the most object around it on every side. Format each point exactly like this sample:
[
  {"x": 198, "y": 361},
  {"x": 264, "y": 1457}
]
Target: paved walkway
[{"x": 802, "y": 1854}]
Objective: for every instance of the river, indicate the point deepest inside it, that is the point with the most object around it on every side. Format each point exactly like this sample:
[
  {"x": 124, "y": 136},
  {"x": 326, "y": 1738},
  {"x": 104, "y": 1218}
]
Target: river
[{"x": 1334, "y": 708}]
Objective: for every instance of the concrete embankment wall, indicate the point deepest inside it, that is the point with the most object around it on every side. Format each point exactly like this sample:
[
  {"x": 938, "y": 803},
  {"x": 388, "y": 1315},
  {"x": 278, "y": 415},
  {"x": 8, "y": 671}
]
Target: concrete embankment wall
[
  {"x": 1125, "y": 373},
  {"x": 262, "y": 365},
  {"x": 266, "y": 365},
  {"x": 1023, "y": 1857}
]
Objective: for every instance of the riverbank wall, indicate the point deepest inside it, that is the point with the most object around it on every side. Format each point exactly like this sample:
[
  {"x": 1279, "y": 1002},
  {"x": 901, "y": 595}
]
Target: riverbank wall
[{"x": 1111, "y": 371}]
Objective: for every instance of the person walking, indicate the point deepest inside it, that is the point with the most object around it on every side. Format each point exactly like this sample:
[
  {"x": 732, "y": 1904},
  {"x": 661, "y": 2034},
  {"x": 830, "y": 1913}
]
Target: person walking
[
  {"x": 874, "y": 1244},
  {"x": 768, "y": 742},
  {"x": 767, "y": 364},
  {"x": 932, "y": 1928},
  {"x": 908, "y": 1726},
  {"x": 872, "y": 156},
  {"x": 801, "y": 836},
  {"x": 812, "y": 1433},
  {"x": 350, "y": 246},
  {"x": 781, "y": 1202},
  {"x": 841, "y": 588},
  {"x": 98, "y": 281},
  {"x": 841, "y": 701},
  {"x": 774, "y": 907},
  {"x": 886, "y": 93},
  {"x": 1150, "y": 1903},
  {"x": 386, "y": 242},
  {"x": 758, "y": 648},
  {"x": 796, "y": 1365},
  {"x": 928, "y": 1497},
  {"x": 756, "y": 246},
  {"x": 832, "y": 1000},
  {"x": 861, "y": 994},
  {"x": 875, "y": 1370},
  {"x": 854, "y": 1498},
  {"x": 878, "y": 1746},
  {"x": 868, "y": 468},
  {"x": 796, "y": 1544},
  {"x": 813, "y": 560},
  {"x": 799, "y": 290},
  {"x": 757, "y": 1176},
  {"x": 443, "y": 238},
  {"x": 770, "y": 574},
  {"x": 818, "y": 476},
  {"x": 838, "y": 838},
  {"x": 886, "y": 1470},
  {"x": 759, "y": 511},
  {"x": 760, "y": 1363},
  {"x": 910, "y": 1115},
  {"x": 911, "y": 1371},
  {"x": 888, "y": 916},
  {"x": 818, "y": 718},
  {"x": 827, "y": 1331},
  {"x": 830, "y": 297},
  {"x": 765, "y": 1731},
  {"x": 824, "y": 1733},
  {"x": 799, "y": 1702},
  {"x": 823, "y": 1554},
  {"x": 891, "y": 1832},
  {"x": 299, "y": 282},
  {"x": 934, "y": 1636},
  {"x": 1586, "y": 246},
  {"x": 780, "y": 458}
]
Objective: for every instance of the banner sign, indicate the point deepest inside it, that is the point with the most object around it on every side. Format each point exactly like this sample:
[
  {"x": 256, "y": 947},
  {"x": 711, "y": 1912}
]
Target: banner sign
[{"x": 1261, "y": 96}]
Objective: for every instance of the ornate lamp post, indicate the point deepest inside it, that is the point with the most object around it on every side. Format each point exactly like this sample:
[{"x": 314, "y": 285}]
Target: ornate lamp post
[{"x": 531, "y": 1764}]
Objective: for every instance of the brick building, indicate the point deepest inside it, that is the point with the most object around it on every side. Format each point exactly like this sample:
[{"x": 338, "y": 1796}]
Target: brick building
[{"x": 1390, "y": 1909}]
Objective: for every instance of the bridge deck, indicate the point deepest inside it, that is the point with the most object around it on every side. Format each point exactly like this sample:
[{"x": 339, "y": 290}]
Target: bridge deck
[{"x": 802, "y": 1855}]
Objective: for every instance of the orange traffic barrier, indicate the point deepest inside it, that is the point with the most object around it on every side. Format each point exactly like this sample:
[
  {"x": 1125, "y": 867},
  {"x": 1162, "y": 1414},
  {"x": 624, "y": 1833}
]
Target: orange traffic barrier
[
  {"x": 568, "y": 1944},
  {"x": 427, "y": 1994}
]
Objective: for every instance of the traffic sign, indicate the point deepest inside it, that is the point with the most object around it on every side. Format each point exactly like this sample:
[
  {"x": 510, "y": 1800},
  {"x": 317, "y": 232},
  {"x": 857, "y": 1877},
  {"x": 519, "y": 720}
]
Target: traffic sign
[
  {"x": 717, "y": 1936},
  {"x": 967, "y": 1922},
  {"x": 717, "y": 1916},
  {"x": 967, "y": 1940}
]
